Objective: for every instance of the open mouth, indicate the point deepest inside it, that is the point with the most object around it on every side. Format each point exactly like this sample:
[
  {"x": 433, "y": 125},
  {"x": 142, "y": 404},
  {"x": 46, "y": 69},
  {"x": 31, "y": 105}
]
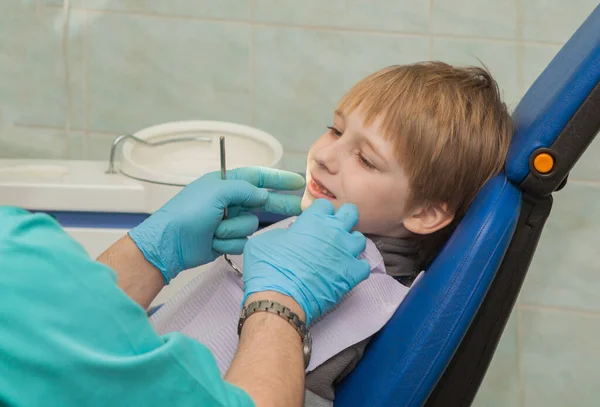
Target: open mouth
[{"x": 318, "y": 190}]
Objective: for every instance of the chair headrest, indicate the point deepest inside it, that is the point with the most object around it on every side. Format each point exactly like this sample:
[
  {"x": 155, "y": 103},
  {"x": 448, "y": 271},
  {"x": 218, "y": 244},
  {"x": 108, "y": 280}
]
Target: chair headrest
[{"x": 558, "y": 103}]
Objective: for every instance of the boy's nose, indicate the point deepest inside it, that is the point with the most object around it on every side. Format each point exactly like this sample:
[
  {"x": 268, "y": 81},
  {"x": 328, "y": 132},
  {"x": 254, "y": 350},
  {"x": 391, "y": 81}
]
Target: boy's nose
[{"x": 328, "y": 158}]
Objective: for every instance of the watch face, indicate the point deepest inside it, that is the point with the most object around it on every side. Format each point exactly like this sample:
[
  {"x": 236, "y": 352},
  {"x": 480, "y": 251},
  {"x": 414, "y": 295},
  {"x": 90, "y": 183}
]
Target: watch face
[{"x": 307, "y": 349}]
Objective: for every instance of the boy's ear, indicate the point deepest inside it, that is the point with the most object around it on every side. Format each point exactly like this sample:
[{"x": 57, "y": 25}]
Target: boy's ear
[{"x": 425, "y": 220}]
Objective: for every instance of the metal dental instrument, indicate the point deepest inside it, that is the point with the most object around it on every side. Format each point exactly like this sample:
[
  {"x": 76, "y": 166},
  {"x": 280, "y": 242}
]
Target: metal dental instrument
[
  {"x": 223, "y": 165},
  {"x": 223, "y": 177}
]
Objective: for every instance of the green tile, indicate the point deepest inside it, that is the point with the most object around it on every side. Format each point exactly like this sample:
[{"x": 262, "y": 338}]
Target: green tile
[
  {"x": 554, "y": 20},
  {"x": 166, "y": 70},
  {"x": 77, "y": 146},
  {"x": 99, "y": 145},
  {"x": 588, "y": 166},
  {"x": 560, "y": 358},
  {"x": 294, "y": 162},
  {"x": 500, "y": 386},
  {"x": 565, "y": 270},
  {"x": 483, "y": 18},
  {"x": 301, "y": 74},
  {"x": 32, "y": 76},
  {"x": 535, "y": 59},
  {"x": 387, "y": 15},
  {"x": 499, "y": 57},
  {"x": 26, "y": 142},
  {"x": 227, "y": 9}
]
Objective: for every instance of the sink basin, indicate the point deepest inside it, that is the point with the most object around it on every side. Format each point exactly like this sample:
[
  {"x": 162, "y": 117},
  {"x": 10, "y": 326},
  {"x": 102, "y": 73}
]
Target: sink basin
[{"x": 179, "y": 163}]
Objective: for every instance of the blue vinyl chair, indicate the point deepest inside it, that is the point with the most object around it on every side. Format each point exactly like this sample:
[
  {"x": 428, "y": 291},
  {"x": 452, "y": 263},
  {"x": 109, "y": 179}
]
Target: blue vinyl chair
[{"x": 438, "y": 345}]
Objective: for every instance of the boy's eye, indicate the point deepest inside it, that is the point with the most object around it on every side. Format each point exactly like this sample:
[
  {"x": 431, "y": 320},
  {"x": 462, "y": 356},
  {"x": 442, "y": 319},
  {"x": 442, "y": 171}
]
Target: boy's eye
[
  {"x": 334, "y": 131},
  {"x": 365, "y": 162}
]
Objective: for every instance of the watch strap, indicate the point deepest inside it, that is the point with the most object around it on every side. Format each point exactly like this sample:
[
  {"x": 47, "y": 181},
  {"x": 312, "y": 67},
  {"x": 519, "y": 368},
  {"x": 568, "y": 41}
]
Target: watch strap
[{"x": 284, "y": 312}]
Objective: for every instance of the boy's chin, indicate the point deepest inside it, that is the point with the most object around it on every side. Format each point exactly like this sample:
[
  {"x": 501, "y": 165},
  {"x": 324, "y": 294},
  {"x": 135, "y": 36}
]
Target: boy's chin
[{"x": 306, "y": 201}]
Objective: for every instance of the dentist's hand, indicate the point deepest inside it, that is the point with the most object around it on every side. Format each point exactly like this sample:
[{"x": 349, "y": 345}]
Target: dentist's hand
[
  {"x": 315, "y": 261},
  {"x": 189, "y": 230}
]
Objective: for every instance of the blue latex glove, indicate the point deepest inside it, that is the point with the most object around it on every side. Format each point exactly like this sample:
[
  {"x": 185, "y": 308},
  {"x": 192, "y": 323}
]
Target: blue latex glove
[
  {"x": 314, "y": 261},
  {"x": 189, "y": 230}
]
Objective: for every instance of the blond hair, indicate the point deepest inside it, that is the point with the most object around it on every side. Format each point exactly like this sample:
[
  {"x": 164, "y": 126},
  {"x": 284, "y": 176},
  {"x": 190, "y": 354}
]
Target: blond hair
[{"x": 448, "y": 127}]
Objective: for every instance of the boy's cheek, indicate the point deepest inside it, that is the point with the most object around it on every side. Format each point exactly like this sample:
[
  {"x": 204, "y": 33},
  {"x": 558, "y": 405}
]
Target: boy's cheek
[{"x": 360, "y": 225}]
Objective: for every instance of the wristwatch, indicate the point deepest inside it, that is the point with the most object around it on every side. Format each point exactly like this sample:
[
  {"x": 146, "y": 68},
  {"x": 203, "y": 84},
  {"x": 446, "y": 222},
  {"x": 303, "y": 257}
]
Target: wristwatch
[{"x": 285, "y": 313}]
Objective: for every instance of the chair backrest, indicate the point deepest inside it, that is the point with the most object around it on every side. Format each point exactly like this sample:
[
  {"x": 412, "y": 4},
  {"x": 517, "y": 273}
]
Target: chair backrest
[
  {"x": 406, "y": 358},
  {"x": 405, "y": 361}
]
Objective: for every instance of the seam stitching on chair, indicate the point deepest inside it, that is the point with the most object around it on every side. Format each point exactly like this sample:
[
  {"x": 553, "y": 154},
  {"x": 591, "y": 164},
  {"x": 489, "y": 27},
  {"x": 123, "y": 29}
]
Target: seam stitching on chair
[
  {"x": 453, "y": 328},
  {"x": 468, "y": 301},
  {"x": 462, "y": 314},
  {"x": 577, "y": 86},
  {"x": 429, "y": 320}
]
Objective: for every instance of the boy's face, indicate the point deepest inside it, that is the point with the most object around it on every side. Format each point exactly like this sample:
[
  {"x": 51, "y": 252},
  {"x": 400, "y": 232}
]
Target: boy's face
[{"x": 353, "y": 163}]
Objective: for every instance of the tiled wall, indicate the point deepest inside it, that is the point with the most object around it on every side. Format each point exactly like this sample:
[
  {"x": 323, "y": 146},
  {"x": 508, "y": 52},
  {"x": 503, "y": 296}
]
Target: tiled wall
[{"x": 281, "y": 65}]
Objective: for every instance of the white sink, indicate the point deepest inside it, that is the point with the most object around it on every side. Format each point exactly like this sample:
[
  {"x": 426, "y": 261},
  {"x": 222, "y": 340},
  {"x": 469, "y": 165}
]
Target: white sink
[
  {"x": 152, "y": 174},
  {"x": 179, "y": 163}
]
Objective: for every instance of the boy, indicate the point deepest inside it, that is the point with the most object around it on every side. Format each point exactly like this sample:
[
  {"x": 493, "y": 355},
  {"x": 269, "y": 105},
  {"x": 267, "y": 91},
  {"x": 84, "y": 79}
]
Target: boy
[{"x": 410, "y": 146}]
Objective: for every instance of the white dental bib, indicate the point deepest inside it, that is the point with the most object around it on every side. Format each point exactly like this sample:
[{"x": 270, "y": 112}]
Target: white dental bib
[{"x": 208, "y": 309}]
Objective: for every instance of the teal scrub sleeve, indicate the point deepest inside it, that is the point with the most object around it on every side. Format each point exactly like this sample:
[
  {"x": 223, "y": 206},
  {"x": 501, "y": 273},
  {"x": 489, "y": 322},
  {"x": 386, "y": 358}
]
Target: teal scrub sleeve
[{"x": 70, "y": 337}]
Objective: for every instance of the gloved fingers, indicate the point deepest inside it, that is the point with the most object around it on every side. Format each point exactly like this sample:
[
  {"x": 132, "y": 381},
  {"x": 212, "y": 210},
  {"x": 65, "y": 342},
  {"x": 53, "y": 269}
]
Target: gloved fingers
[
  {"x": 242, "y": 193},
  {"x": 229, "y": 246},
  {"x": 347, "y": 215},
  {"x": 242, "y": 225},
  {"x": 283, "y": 204},
  {"x": 235, "y": 210},
  {"x": 357, "y": 243},
  {"x": 322, "y": 206},
  {"x": 360, "y": 272},
  {"x": 269, "y": 178}
]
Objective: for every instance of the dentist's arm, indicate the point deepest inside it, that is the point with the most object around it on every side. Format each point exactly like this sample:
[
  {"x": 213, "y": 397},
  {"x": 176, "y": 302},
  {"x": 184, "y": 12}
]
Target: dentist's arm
[
  {"x": 189, "y": 230},
  {"x": 136, "y": 276},
  {"x": 308, "y": 268},
  {"x": 269, "y": 364}
]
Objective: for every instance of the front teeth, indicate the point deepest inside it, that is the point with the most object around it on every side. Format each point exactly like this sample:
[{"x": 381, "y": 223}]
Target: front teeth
[{"x": 324, "y": 191}]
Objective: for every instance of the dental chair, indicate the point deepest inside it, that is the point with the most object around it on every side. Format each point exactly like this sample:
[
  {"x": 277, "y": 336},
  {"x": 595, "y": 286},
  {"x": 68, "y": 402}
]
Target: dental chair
[{"x": 437, "y": 347}]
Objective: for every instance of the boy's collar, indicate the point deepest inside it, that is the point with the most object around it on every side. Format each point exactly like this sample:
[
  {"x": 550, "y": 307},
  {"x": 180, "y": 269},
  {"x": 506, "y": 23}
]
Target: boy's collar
[{"x": 400, "y": 255}]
